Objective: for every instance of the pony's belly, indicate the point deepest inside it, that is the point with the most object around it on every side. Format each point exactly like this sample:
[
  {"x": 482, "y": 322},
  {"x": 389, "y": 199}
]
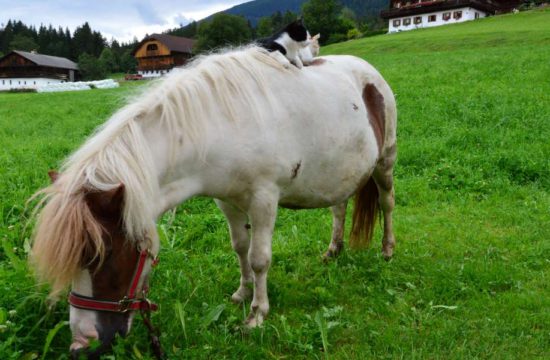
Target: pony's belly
[{"x": 318, "y": 191}]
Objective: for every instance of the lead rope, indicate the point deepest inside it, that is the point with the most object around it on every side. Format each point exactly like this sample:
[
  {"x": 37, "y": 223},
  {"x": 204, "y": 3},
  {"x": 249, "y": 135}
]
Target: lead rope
[{"x": 154, "y": 334}]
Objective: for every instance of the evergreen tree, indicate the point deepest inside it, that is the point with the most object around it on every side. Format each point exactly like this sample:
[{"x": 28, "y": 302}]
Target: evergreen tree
[
  {"x": 82, "y": 41},
  {"x": 265, "y": 27},
  {"x": 323, "y": 16},
  {"x": 128, "y": 62},
  {"x": 223, "y": 30},
  {"x": 23, "y": 43},
  {"x": 108, "y": 60},
  {"x": 91, "y": 68}
]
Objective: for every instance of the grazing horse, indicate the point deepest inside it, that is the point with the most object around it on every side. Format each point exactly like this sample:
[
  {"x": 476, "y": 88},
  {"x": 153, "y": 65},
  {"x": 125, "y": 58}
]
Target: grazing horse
[{"x": 236, "y": 126}]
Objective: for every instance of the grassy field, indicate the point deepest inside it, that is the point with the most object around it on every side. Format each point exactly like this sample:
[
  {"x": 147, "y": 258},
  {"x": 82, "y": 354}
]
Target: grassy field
[{"x": 470, "y": 275}]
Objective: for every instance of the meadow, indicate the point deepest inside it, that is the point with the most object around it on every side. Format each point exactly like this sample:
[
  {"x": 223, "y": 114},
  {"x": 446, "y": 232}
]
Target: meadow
[{"x": 471, "y": 270}]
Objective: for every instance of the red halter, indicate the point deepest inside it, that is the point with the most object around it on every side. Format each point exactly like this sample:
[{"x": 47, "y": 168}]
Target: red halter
[{"x": 129, "y": 303}]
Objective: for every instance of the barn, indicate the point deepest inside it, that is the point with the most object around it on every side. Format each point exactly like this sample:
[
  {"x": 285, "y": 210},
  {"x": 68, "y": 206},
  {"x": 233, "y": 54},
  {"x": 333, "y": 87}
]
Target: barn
[
  {"x": 29, "y": 70},
  {"x": 406, "y": 15},
  {"x": 157, "y": 54}
]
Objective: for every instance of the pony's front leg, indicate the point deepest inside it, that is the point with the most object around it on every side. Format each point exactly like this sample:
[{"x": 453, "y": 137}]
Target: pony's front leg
[
  {"x": 240, "y": 240},
  {"x": 338, "y": 225},
  {"x": 262, "y": 213}
]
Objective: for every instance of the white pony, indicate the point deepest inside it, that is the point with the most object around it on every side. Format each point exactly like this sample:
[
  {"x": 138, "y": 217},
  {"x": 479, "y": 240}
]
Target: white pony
[{"x": 238, "y": 127}]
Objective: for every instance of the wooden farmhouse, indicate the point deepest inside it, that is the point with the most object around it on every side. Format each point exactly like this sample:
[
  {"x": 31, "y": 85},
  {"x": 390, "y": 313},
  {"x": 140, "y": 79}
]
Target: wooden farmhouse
[
  {"x": 29, "y": 70},
  {"x": 414, "y": 14},
  {"x": 157, "y": 54}
]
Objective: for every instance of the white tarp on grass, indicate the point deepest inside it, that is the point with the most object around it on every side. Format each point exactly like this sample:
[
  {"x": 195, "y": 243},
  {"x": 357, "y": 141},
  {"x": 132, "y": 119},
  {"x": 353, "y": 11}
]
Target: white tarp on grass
[{"x": 77, "y": 86}]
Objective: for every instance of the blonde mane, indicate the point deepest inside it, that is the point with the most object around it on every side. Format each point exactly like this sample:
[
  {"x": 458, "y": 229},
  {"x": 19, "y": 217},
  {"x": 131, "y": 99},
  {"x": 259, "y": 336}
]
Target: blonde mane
[{"x": 118, "y": 153}]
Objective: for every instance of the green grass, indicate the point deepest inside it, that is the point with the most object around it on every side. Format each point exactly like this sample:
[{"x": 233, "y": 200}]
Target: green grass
[{"x": 470, "y": 276}]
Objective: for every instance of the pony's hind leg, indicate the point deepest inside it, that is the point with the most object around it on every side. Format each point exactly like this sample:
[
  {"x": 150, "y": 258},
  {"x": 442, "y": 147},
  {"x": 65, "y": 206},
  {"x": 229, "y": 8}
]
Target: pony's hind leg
[
  {"x": 383, "y": 177},
  {"x": 338, "y": 225},
  {"x": 240, "y": 240},
  {"x": 262, "y": 212}
]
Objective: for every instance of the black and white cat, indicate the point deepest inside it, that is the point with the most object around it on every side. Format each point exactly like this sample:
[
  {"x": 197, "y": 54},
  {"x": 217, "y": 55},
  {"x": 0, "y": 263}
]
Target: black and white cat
[{"x": 289, "y": 41}]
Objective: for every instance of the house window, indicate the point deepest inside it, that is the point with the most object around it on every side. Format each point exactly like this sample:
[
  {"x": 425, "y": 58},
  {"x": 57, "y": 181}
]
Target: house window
[
  {"x": 432, "y": 18},
  {"x": 3, "y": 82},
  {"x": 34, "y": 82},
  {"x": 477, "y": 15},
  {"x": 457, "y": 15},
  {"x": 418, "y": 19},
  {"x": 25, "y": 82},
  {"x": 152, "y": 47},
  {"x": 407, "y": 21},
  {"x": 396, "y": 23},
  {"x": 446, "y": 16}
]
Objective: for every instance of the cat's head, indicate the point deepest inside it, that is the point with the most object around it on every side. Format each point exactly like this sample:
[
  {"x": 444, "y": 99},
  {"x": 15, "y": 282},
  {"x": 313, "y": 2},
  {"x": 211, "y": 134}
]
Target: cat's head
[
  {"x": 314, "y": 45},
  {"x": 297, "y": 31}
]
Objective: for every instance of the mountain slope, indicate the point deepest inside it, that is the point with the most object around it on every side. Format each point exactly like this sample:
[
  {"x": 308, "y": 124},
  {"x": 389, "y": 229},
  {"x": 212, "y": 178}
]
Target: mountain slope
[{"x": 254, "y": 10}]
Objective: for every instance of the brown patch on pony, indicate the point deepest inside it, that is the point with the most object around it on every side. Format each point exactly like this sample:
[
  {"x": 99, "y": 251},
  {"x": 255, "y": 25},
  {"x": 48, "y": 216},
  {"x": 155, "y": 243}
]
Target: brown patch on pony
[
  {"x": 70, "y": 231},
  {"x": 317, "y": 62},
  {"x": 111, "y": 279},
  {"x": 365, "y": 212},
  {"x": 376, "y": 110},
  {"x": 54, "y": 175}
]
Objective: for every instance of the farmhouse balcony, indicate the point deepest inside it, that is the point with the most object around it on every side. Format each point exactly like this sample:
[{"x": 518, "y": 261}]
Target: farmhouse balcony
[{"x": 437, "y": 5}]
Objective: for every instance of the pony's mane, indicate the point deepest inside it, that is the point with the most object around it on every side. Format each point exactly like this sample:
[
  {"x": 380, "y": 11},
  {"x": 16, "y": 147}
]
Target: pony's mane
[{"x": 117, "y": 153}]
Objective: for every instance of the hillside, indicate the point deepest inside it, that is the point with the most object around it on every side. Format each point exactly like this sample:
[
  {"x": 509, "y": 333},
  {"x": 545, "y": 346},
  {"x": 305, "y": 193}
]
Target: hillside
[
  {"x": 254, "y": 10},
  {"x": 469, "y": 278}
]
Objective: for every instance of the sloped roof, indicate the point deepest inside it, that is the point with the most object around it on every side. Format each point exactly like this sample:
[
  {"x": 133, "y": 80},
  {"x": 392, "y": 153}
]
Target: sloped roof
[
  {"x": 173, "y": 43},
  {"x": 47, "y": 60}
]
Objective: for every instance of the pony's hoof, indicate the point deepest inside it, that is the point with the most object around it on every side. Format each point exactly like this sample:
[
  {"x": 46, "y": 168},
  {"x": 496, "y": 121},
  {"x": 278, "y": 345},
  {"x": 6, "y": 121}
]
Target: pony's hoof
[
  {"x": 241, "y": 295},
  {"x": 329, "y": 255},
  {"x": 387, "y": 253},
  {"x": 387, "y": 248},
  {"x": 254, "y": 320}
]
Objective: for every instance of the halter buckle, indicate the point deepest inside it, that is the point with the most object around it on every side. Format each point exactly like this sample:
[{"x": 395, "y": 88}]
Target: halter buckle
[{"x": 125, "y": 304}]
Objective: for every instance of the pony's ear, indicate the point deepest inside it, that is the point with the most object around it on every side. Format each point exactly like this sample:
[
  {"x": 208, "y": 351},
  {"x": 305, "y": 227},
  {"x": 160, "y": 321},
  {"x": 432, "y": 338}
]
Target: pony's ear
[
  {"x": 106, "y": 204},
  {"x": 54, "y": 175},
  {"x": 300, "y": 20},
  {"x": 316, "y": 37}
]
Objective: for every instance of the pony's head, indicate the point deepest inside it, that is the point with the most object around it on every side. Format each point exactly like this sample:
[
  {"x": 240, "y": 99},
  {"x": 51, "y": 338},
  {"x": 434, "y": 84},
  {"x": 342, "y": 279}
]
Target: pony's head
[{"x": 80, "y": 239}]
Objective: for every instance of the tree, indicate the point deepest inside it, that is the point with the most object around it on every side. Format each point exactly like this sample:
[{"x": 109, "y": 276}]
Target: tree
[
  {"x": 128, "y": 62},
  {"x": 223, "y": 30},
  {"x": 24, "y": 43},
  {"x": 323, "y": 16},
  {"x": 90, "y": 67},
  {"x": 82, "y": 41},
  {"x": 108, "y": 60},
  {"x": 289, "y": 17},
  {"x": 265, "y": 27}
]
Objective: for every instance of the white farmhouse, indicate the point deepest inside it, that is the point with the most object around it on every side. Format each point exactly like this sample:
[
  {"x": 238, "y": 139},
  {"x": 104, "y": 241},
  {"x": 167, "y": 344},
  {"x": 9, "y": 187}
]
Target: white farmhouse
[
  {"x": 406, "y": 15},
  {"x": 29, "y": 70}
]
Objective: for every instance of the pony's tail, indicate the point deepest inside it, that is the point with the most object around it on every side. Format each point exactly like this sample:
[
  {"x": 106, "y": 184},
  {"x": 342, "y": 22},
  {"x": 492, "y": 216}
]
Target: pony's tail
[{"x": 365, "y": 213}]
